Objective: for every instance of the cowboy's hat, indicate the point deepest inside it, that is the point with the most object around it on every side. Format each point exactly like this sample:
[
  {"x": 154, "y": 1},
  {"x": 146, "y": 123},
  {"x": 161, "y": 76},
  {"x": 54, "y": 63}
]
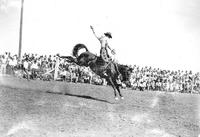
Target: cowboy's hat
[{"x": 108, "y": 34}]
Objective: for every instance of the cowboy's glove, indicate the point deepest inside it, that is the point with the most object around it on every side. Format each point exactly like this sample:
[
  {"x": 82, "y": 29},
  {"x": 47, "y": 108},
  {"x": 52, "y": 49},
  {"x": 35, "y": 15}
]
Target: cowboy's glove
[{"x": 91, "y": 27}]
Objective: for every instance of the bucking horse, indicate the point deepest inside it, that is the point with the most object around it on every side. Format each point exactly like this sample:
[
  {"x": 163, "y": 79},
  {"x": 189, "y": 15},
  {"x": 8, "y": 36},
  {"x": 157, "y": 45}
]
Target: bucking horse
[{"x": 97, "y": 65}]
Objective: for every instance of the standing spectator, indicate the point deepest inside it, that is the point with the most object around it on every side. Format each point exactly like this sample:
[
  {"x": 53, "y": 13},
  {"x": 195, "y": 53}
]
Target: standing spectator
[
  {"x": 3, "y": 65},
  {"x": 57, "y": 63},
  {"x": 26, "y": 64},
  {"x": 12, "y": 63},
  {"x": 34, "y": 68}
]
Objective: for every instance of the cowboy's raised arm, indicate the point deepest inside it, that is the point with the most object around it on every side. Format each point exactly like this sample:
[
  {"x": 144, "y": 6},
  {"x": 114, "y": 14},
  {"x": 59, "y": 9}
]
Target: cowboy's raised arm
[{"x": 94, "y": 32}]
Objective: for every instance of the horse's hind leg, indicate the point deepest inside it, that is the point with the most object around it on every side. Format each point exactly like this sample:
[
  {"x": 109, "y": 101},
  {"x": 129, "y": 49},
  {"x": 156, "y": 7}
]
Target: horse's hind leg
[{"x": 114, "y": 88}]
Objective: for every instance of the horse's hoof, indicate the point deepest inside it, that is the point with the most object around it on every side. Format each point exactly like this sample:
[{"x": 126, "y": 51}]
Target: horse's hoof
[
  {"x": 122, "y": 98},
  {"x": 116, "y": 98}
]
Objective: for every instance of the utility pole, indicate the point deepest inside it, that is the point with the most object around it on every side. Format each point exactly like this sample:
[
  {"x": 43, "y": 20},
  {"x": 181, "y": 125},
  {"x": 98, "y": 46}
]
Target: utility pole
[{"x": 20, "y": 31}]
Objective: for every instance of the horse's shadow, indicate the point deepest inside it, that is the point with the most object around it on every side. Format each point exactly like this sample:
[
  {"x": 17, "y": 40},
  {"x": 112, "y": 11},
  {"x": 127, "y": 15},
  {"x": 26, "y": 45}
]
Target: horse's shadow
[{"x": 80, "y": 96}]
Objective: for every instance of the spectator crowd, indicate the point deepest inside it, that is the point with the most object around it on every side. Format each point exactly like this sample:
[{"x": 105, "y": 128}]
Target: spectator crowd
[
  {"x": 147, "y": 78},
  {"x": 52, "y": 67},
  {"x": 46, "y": 67}
]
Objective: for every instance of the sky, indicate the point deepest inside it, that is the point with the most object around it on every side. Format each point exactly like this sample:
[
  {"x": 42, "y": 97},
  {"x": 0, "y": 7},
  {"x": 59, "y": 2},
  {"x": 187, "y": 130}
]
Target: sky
[{"x": 157, "y": 33}]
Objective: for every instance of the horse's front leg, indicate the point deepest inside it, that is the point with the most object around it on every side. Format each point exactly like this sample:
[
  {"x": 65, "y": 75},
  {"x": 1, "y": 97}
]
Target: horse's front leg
[
  {"x": 118, "y": 89},
  {"x": 114, "y": 87}
]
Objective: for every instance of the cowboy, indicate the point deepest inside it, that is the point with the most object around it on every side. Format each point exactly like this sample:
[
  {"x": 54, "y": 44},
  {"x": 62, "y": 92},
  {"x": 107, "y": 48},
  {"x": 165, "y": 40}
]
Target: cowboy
[{"x": 105, "y": 47}]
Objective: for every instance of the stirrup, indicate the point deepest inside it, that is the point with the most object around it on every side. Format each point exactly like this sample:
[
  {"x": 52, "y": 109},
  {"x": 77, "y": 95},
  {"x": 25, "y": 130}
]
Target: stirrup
[{"x": 118, "y": 81}]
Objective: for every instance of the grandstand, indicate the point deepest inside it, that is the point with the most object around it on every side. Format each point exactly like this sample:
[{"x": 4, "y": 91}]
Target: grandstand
[{"x": 47, "y": 68}]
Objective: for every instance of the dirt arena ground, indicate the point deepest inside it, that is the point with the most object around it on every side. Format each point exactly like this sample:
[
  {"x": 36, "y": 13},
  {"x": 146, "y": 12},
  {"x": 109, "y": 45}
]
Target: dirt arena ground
[{"x": 60, "y": 109}]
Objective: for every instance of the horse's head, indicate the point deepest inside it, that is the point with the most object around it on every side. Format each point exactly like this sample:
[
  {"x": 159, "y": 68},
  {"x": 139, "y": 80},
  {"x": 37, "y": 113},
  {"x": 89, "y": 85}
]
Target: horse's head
[{"x": 125, "y": 72}]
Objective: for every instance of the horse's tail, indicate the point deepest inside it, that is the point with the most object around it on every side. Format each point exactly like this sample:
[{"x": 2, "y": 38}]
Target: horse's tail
[{"x": 76, "y": 48}]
